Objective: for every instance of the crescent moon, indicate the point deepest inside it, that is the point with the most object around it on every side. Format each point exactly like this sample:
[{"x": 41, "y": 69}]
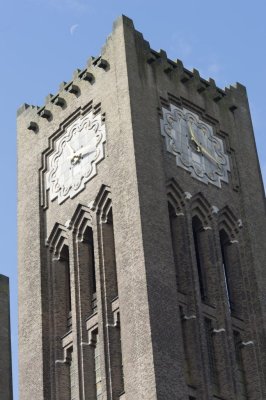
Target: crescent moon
[{"x": 73, "y": 28}]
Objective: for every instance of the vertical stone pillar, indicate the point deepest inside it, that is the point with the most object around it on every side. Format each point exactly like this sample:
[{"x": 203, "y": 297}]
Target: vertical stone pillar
[
  {"x": 235, "y": 278},
  {"x": 110, "y": 295},
  {"x": 85, "y": 294},
  {"x": 225, "y": 383},
  {"x": 177, "y": 224},
  {"x": 5, "y": 344},
  {"x": 251, "y": 367}
]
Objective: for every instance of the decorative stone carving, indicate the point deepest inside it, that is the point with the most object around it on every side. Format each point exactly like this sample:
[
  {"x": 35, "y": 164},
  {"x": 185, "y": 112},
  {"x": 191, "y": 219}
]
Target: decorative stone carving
[
  {"x": 76, "y": 153},
  {"x": 194, "y": 145}
]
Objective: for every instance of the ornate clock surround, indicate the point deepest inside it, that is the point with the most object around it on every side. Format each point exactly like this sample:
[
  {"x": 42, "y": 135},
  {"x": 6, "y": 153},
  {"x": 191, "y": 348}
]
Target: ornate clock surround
[
  {"x": 195, "y": 146},
  {"x": 71, "y": 161}
]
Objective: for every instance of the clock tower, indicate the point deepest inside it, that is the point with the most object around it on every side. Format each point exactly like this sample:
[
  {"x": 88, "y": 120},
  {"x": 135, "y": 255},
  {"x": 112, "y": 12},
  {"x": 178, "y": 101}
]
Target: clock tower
[{"x": 142, "y": 230}]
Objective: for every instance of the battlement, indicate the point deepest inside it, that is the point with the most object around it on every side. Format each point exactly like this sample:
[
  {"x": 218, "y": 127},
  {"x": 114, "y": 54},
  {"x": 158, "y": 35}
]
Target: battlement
[{"x": 156, "y": 60}]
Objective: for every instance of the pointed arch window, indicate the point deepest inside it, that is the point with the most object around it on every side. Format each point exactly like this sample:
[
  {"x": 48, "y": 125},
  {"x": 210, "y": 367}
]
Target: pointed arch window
[
  {"x": 88, "y": 248},
  {"x": 232, "y": 272},
  {"x": 179, "y": 247},
  {"x": 224, "y": 243},
  {"x": 62, "y": 291},
  {"x": 199, "y": 243},
  {"x": 64, "y": 258},
  {"x": 109, "y": 270}
]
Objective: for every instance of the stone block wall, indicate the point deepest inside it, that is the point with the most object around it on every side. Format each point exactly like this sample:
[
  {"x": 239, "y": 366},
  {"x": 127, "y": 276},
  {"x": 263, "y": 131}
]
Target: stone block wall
[{"x": 159, "y": 322}]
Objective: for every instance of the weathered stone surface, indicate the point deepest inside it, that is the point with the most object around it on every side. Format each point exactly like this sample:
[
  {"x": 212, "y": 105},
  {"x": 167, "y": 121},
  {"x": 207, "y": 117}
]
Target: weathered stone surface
[{"x": 148, "y": 285}]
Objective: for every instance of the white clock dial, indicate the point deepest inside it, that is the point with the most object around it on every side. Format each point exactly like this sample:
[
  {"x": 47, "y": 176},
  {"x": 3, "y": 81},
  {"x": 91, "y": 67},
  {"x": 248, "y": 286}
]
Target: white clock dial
[
  {"x": 195, "y": 146},
  {"x": 76, "y": 153}
]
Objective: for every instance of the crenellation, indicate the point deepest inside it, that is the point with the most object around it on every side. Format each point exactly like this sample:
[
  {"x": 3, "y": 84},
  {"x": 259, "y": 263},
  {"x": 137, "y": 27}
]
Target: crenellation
[
  {"x": 143, "y": 236},
  {"x": 169, "y": 66},
  {"x": 90, "y": 61},
  {"x": 151, "y": 57},
  {"x": 22, "y": 108},
  {"x": 200, "y": 84},
  {"x": 240, "y": 87},
  {"x": 73, "y": 88},
  {"x": 76, "y": 73},
  {"x": 27, "y": 108},
  {"x": 48, "y": 98},
  {"x": 62, "y": 86},
  {"x": 186, "y": 76},
  {"x": 214, "y": 92}
]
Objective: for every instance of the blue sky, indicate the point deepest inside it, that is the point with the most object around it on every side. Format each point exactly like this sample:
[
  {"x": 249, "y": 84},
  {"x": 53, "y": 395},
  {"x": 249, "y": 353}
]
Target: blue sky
[{"x": 43, "y": 41}]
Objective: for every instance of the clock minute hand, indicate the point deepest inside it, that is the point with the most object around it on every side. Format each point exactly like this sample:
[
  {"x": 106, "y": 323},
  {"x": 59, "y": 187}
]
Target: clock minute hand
[{"x": 203, "y": 150}]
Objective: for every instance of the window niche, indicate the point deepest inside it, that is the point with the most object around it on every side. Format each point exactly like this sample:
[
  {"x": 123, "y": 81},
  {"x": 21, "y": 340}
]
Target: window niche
[
  {"x": 62, "y": 291},
  {"x": 177, "y": 229},
  {"x": 232, "y": 272},
  {"x": 87, "y": 271},
  {"x": 109, "y": 271},
  {"x": 95, "y": 376},
  {"x": 201, "y": 245},
  {"x": 72, "y": 374},
  {"x": 108, "y": 246}
]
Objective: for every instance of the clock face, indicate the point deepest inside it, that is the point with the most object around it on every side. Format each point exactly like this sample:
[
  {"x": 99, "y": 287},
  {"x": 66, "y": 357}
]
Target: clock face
[
  {"x": 195, "y": 146},
  {"x": 76, "y": 153}
]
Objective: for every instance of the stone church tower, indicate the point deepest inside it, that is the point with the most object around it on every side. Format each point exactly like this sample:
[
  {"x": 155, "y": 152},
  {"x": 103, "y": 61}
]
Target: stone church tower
[{"x": 141, "y": 235}]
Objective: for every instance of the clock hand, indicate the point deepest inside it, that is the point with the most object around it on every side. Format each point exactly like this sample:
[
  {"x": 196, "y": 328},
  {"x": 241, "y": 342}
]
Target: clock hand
[
  {"x": 88, "y": 152},
  {"x": 87, "y": 149},
  {"x": 70, "y": 148},
  {"x": 193, "y": 138},
  {"x": 199, "y": 146},
  {"x": 203, "y": 150}
]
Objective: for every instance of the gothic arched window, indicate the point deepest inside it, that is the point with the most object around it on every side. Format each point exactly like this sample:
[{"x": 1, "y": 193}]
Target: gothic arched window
[{"x": 199, "y": 246}]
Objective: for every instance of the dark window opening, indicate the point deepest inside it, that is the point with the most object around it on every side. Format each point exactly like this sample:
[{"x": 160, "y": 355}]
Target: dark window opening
[
  {"x": 64, "y": 256},
  {"x": 197, "y": 232},
  {"x": 91, "y": 267}
]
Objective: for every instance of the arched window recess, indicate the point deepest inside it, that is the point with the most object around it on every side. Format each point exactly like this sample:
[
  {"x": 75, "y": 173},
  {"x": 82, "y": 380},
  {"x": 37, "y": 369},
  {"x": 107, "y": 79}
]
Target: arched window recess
[
  {"x": 176, "y": 213},
  {"x": 203, "y": 247},
  {"x": 175, "y": 197},
  {"x": 83, "y": 224},
  {"x": 60, "y": 278},
  {"x": 229, "y": 227},
  {"x": 108, "y": 270}
]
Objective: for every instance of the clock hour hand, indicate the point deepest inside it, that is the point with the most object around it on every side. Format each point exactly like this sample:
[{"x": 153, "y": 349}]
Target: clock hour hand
[
  {"x": 76, "y": 156},
  {"x": 70, "y": 148},
  {"x": 87, "y": 150},
  {"x": 199, "y": 147},
  {"x": 193, "y": 138}
]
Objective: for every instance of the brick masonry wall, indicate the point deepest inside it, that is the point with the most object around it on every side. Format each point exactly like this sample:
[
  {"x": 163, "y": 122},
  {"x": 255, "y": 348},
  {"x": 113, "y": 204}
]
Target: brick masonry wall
[{"x": 130, "y": 85}]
